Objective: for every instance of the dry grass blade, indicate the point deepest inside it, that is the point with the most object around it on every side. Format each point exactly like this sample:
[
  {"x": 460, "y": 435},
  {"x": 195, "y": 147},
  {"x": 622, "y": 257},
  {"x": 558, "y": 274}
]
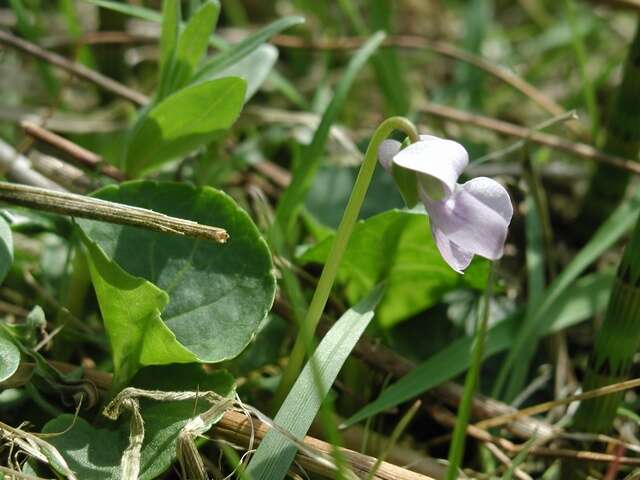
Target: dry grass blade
[{"x": 546, "y": 406}]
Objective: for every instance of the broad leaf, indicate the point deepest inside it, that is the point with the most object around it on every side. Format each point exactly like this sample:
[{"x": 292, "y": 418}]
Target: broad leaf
[
  {"x": 94, "y": 453},
  {"x": 193, "y": 42},
  {"x": 396, "y": 246},
  {"x": 273, "y": 458},
  {"x": 184, "y": 121},
  {"x": 218, "y": 293},
  {"x": 237, "y": 52},
  {"x": 588, "y": 296}
]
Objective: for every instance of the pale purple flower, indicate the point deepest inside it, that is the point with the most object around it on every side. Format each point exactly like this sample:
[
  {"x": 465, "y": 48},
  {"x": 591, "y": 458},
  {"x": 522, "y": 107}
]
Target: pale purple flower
[{"x": 466, "y": 219}]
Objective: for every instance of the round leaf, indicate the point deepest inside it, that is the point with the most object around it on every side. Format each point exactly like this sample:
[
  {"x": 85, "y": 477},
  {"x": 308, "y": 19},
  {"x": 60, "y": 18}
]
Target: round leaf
[{"x": 219, "y": 293}]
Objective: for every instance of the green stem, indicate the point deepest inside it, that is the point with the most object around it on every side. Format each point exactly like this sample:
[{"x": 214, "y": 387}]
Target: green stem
[
  {"x": 456, "y": 450},
  {"x": 351, "y": 213}
]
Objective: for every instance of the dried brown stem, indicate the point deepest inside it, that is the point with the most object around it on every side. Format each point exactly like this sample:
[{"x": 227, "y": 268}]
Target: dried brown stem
[
  {"x": 73, "y": 68},
  {"x": 553, "y": 141},
  {"x": 96, "y": 209}
]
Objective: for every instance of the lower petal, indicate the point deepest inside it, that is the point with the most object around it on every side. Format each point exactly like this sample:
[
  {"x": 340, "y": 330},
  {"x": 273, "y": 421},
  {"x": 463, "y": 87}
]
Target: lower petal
[
  {"x": 470, "y": 224},
  {"x": 457, "y": 258}
]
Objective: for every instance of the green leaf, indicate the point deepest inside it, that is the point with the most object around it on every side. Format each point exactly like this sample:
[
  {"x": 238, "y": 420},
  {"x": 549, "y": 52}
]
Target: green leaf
[
  {"x": 9, "y": 358},
  {"x": 538, "y": 320},
  {"x": 253, "y": 69},
  {"x": 305, "y": 170},
  {"x": 275, "y": 453},
  {"x": 237, "y": 52},
  {"x": 184, "y": 121},
  {"x": 95, "y": 453},
  {"x": 6, "y": 248},
  {"x": 171, "y": 18},
  {"x": 397, "y": 247},
  {"x": 588, "y": 296},
  {"x": 218, "y": 293},
  {"x": 193, "y": 42}
]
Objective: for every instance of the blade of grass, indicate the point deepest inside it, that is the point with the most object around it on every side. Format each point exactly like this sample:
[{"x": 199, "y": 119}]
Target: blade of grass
[
  {"x": 586, "y": 296},
  {"x": 171, "y": 18},
  {"x": 516, "y": 365},
  {"x": 275, "y": 453},
  {"x": 237, "y": 52}
]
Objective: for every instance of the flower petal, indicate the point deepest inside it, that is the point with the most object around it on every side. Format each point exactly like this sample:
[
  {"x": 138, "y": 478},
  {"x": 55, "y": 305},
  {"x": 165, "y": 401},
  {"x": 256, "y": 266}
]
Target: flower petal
[
  {"x": 457, "y": 258},
  {"x": 386, "y": 151},
  {"x": 475, "y": 218},
  {"x": 443, "y": 160},
  {"x": 492, "y": 194}
]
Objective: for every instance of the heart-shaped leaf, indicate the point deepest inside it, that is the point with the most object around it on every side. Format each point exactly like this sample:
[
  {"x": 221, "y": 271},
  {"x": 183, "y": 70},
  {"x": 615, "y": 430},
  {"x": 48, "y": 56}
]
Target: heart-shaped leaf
[
  {"x": 397, "y": 247},
  {"x": 218, "y": 293},
  {"x": 182, "y": 122},
  {"x": 95, "y": 453}
]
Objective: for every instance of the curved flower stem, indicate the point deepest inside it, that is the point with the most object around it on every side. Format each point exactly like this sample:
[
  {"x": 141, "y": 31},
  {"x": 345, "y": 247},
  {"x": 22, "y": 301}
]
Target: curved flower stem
[
  {"x": 456, "y": 450},
  {"x": 304, "y": 340}
]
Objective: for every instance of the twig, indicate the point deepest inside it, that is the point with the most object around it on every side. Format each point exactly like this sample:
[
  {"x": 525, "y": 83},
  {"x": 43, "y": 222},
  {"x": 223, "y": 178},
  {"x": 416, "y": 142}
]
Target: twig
[
  {"x": 548, "y": 140},
  {"x": 96, "y": 209},
  {"x": 74, "y": 68},
  {"x": 81, "y": 154}
]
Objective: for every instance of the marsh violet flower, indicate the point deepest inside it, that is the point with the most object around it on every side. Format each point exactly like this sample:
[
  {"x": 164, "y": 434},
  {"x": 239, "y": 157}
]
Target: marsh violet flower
[{"x": 466, "y": 219}]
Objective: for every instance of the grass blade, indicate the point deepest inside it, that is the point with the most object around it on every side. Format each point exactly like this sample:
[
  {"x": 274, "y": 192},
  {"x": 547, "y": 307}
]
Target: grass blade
[
  {"x": 171, "y": 17},
  {"x": 275, "y": 453},
  {"x": 240, "y": 50}
]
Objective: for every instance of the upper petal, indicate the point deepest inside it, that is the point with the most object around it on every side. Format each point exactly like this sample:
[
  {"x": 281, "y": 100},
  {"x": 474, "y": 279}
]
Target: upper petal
[
  {"x": 443, "y": 160},
  {"x": 386, "y": 151},
  {"x": 475, "y": 218}
]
